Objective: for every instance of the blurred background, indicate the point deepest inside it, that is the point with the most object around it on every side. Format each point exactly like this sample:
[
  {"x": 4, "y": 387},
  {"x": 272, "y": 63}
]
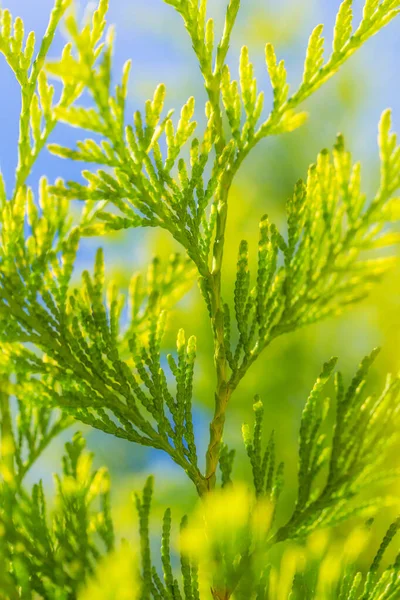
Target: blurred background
[{"x": 152, "y": 34}]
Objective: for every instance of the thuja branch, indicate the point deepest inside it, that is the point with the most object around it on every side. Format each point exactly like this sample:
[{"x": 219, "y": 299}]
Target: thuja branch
[
  {"x": 332, "y": 474},
  {"x": 36, "y": 122},
  {"x": 156, "y": 187},
  {"x": 100, "y": 358},
  {"x": 280, "y": 119},
  {"x": 37, "y": 118}
]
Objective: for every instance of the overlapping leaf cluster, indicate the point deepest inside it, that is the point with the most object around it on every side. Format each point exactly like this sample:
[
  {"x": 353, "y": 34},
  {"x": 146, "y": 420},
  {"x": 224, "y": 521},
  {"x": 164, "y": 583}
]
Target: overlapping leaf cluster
[
  {"x": 50, "y": 554},
  {"x": 234, "y": 528},
  {"x": 334, "y": 469},
  {"x": 136, "y": 172},
  {"x": 99, "y": 372},
  {"x": 27, "y": 60},
  {"x": 325, "y": 261},
  {"x": 81, "y": 349}
]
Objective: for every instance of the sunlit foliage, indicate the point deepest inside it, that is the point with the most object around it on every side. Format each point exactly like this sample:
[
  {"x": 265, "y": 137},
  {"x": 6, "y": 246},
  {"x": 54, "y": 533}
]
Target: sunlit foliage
[{"x": 84, "y": 352}]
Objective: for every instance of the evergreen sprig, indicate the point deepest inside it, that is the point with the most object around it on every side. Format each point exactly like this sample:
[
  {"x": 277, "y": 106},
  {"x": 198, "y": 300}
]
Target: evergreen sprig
[
  {"x": 150, "y": 188},
  {"x": 324, "y": 263},
  {"x": 365, "y": 430},
  {"x": 86, "y": 351},
  {"x": 38, "y": 111},
  {"x": 152, "y": 585},
  {"x": 110, "y": 379},
  {"x": 52, "y": 553},
  {"x": 350, "y": 461}
]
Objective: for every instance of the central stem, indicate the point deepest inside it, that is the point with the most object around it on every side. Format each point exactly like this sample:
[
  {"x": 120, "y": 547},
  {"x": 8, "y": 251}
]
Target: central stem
[{"x": 222, "y": 392}]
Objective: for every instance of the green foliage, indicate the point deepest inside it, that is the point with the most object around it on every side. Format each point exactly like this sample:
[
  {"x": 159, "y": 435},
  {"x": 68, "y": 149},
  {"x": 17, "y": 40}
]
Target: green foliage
[
  {"x": 50, "y": 553},
  {"x": 153, "y": 586},
  {"x": 365, "y": 429},
  {"x": 38, "y": 113},
  {"x": 88, "y": 366},
  {"x": 325, "y": 263},
  {"x": 87, "y": 351}
]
